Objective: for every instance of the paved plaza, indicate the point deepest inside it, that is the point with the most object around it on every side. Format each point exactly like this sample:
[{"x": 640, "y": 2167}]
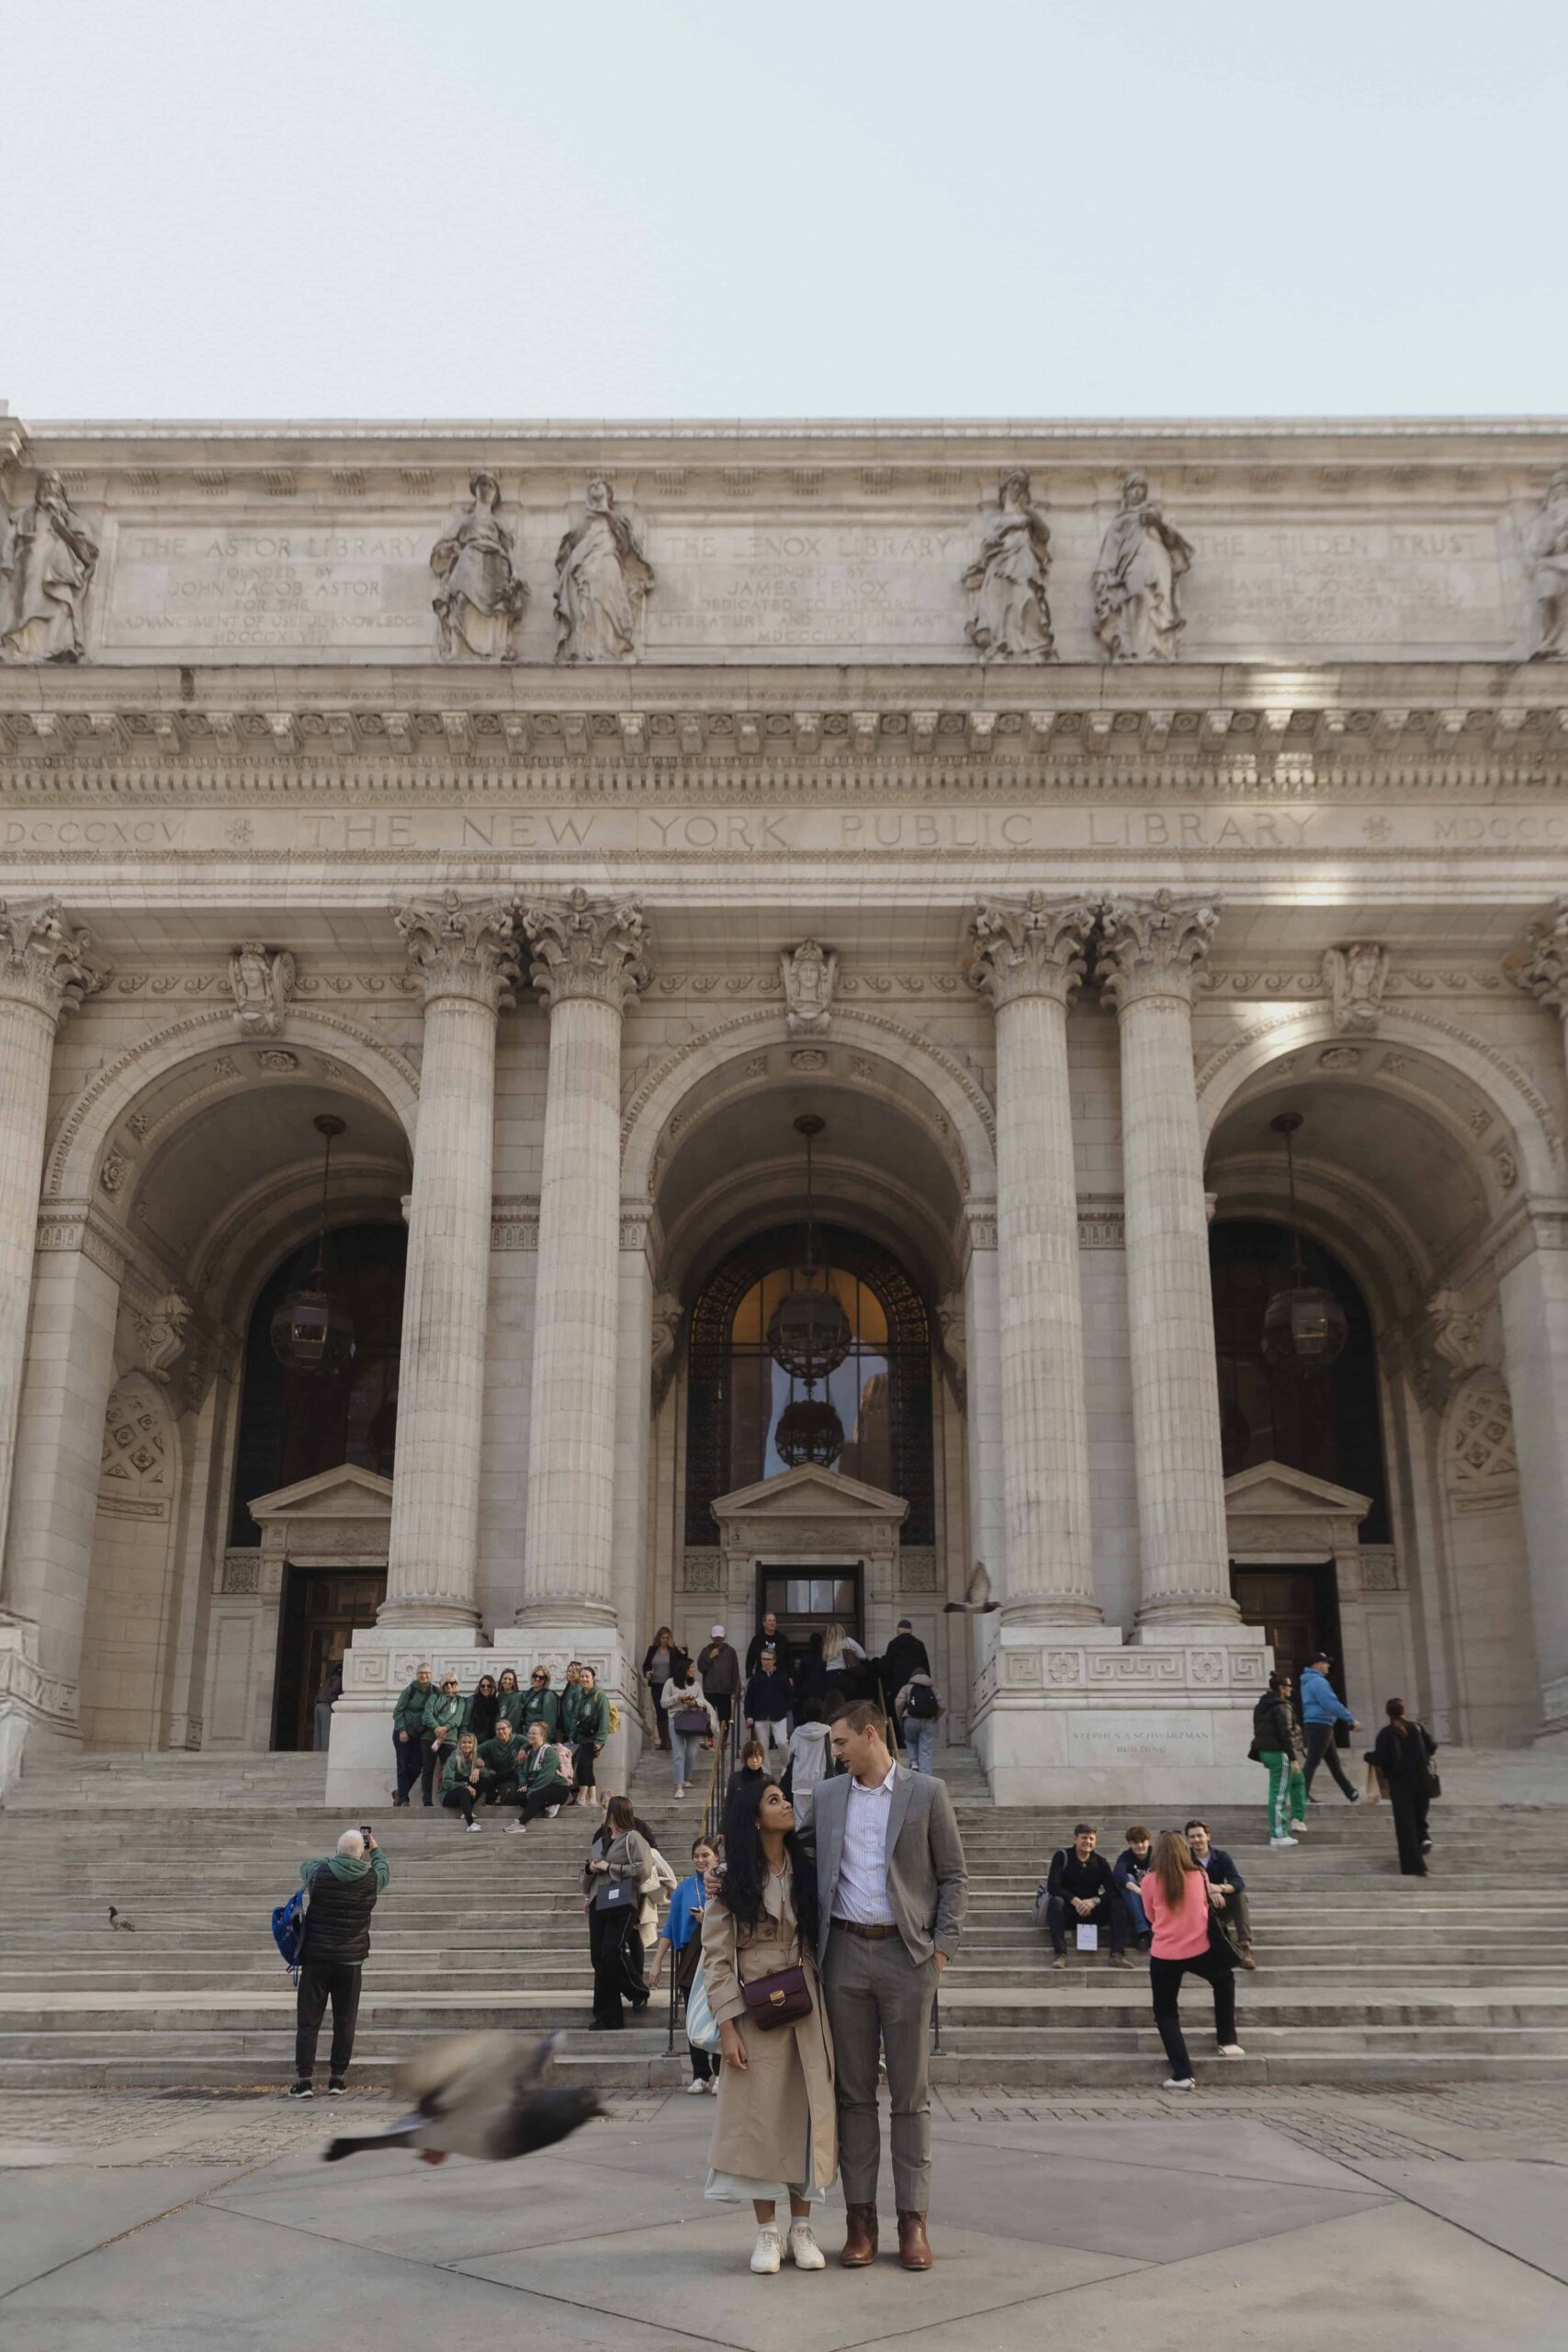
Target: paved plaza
[{"x": 1228, "y": 2219}]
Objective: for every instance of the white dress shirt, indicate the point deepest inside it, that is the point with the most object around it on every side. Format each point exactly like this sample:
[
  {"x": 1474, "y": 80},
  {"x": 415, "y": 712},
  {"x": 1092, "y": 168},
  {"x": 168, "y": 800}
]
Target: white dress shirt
[{"x": 861, "y": 1896}]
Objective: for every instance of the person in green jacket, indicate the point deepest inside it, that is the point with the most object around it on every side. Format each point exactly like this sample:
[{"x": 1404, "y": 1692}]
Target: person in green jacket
[
  {"x": 590, "y": 1731},
  {"x": 571, "y": 1703},
  {"x": 445, "y": 1711},
  {"x": 463, "y": 1782},
  {"x": 541, "y": 1784},
  {"x": 408, "y": 1724},
  {"x": 509, "y": 1702},
  {"x": 541, "y": 1705},
  {"x": 503, "y": 1759}
]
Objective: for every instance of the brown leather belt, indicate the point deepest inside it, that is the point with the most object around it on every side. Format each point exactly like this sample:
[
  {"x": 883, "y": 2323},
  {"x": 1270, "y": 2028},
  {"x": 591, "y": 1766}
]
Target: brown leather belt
[{"x": 871, "y": 1935}]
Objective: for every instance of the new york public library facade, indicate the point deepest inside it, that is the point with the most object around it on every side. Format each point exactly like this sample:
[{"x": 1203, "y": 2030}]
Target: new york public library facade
[{"x": 571, "y": 812}]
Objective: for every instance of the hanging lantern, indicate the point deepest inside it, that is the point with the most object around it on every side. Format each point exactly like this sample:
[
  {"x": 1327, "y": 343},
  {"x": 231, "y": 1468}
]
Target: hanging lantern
[
  {"x": 808, "y": 1333},
  {"x": 809, "y": 1430},
  {"x": 312, "y": 1329},
  {"x": 1304, "y": 1327}
]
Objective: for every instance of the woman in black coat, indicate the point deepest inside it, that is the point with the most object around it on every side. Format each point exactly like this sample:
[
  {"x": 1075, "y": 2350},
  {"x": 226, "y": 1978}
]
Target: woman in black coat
[
  {"x": 483, "y": 1709},
  {"x": 1403, "y": 1752},
  {"x": 663, "y": 1657}
]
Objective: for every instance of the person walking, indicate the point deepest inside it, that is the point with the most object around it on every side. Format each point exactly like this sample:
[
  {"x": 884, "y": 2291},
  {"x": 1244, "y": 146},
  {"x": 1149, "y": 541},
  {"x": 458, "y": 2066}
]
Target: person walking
[
  {"x": 1272, "y": 1747},
  {"x": 501, "y": 1757},
  {"x": 1322, "y": 1708},
  {"x": 719, "y": 1668},
  {"x": 542, "y": 1705},
  {"x": 408, "y": 1732},
  {"x": 540, "y": 1786},
  {"x": 768, "y": 1637},
  {"x": 442, "y": 1720},
  {"x": 660, "y": 1661},
  {"x": 342, "y": 1890},
  {"x": 619, "y": 1859},
  {"x": 769, "y": 1699},
  {"x": 463, "y": 1779},
  {"x": 807, "y": 1759},
  {"x": 919, "y": 1711},
  {"x": 691, "y": 1718},
  {"x": 1176, "y": 1896},
  {"x": 1227, "y": 1889},
  {"x": 906, "y": 1654},
  {"x": 509, "y": 1702},
  {"x": 591, "y": 1729},
  {"x": 484, "y": 1710},
  {"x": 682, "y": 1939},
  {"x": 892, "y": 1890},
  {"x": 776, "y": 2125},
  {"x": 845, "y": 1666},
  {"x": 1403, "y": 1752}
]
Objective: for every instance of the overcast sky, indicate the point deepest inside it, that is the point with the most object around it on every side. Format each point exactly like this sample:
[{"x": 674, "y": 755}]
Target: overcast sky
[{"x": 710, "y": 208}]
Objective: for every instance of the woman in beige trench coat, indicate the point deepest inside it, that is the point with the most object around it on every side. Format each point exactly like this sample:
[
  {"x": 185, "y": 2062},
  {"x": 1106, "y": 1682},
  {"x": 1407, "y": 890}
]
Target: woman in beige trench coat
[{"x": 777, "y": 2122}]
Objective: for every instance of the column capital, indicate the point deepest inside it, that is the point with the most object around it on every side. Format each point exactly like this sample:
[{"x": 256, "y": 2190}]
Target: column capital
[
  {"x": 1151, "y": 947},
  {"x": 44, "y": 960},
  {"x": 461, "y": 948},
  {"x": 1033, "y": 947},
  {"x": 1543, "y": 971},
  {"x": 587, "y": 947}
]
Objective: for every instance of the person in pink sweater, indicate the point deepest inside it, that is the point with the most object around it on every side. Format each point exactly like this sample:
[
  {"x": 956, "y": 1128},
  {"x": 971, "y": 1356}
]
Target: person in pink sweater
[{"x": 1176, "y": 1900}]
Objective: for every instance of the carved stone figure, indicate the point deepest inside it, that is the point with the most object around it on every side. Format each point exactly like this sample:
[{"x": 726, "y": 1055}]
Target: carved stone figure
[
  {"x": 1137, "y": 610},
  {"x": 1355, "y": 978},
  {"x": 261, "y": 981},
  {"x": 48, "y": 557},
  {"x": 954, "y": 1344},
  {"x": 1547, "y": 548},
  {"x": 1445, "y": 1347},
  {"x": 808, "y": 973},
  {"x": 665, "y": 1330},
  {"x": 1012, "y": 619},
  {"x": 160, "y": 1333},
  {"x": 481, "y": 598},
  {"x": 602, "y": 578}
]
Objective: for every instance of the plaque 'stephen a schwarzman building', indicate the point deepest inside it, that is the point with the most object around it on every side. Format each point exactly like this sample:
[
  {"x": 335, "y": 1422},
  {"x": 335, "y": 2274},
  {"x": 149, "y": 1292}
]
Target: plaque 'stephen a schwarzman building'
[{"x": 493, "y": 918}]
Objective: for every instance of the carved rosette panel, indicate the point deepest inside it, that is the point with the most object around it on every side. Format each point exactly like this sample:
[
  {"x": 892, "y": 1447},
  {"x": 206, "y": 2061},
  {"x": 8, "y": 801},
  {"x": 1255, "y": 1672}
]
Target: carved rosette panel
[
  {"x": 587, "y": 947},
  {"x": 462, "y": 948},
  {"x": 1035, "y": 947},
  {"x": 1153, "y": 947},
  {"x": 44, "y": 959}
]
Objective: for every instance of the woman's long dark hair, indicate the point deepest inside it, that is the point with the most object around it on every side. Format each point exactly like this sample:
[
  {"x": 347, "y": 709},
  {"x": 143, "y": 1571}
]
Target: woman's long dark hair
[
  {"x": 746, "y": 1868},
  {"x": 1395, "y": 1711}
]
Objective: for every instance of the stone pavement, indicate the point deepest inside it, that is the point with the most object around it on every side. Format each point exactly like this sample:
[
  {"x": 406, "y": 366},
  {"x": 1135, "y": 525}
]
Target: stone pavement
[{"x": 1237, "y": 2219}]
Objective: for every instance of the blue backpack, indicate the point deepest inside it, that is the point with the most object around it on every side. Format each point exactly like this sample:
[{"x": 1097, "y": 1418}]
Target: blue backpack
[{"x": 289, "y": 1930}]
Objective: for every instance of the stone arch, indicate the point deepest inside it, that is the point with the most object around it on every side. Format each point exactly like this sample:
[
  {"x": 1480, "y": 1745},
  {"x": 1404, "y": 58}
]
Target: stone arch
[
  {"x": 80, "y": 1142},
  {"x": 131, "y": 1583}
]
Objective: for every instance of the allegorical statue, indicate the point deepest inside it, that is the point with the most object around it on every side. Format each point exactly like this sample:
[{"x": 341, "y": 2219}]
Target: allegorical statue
[
  {"x": 1137, "y": 609},
  {"x": 481, "y": 598},
  {"x": 1012, "y": 619},
  {"x": 1546, "y": 547},
  {"x": 601, "y": 577},
  {"x": 261, "y": 979},
  {"x": 808, "y": 973},
  {"x": 48, "y": 557}
]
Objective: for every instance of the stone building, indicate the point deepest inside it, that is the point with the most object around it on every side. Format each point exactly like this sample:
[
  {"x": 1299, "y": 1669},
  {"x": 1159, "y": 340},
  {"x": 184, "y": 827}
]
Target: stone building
[{"x": 443, "y": 866}]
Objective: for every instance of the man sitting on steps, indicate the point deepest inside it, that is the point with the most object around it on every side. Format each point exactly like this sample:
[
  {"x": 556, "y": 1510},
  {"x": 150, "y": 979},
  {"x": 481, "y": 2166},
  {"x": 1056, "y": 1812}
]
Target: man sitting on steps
[
  {"x": 1080, "y": 1893},
  {"x": 1227, "y": 1889}
]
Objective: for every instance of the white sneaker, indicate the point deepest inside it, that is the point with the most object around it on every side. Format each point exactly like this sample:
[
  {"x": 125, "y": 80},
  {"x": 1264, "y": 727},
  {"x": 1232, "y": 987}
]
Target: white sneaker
[
  {"x": 711, "y": 2086},
  {"x": 768, "y": 2252},
  {"x": 804, "y": 2250},
  {"x": 1231, "y": 2050},
  {"x": 473, "y": 1827},
  {"x": 1299, "y": 1828},
  {"x": 551, "y": 1811},
  {"x": 1170, "y": 2084},
  {"x": 1281, "y": 1844},
  {"x": 696, "y": 2088},
  {"x": 514, "y": 1830}
]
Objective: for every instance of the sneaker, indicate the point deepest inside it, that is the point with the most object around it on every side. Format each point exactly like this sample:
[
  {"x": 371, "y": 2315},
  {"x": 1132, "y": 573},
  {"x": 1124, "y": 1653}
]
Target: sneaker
[
  {"x": 551, "y": 1811},
  {"x": 473, "y": 1827},
  {"x": 1354, "y": 1797},
  {"x": 514, "y": 1830},
  {"x": 804, "y": 2250},
  {"x": 336, "y": 2087},
  {"x": 1280, "y": 1844},
  {"x": 1170, "y": 2084},
  {"x": 697, "y": 2086},
  {"x": 1426, "y": 1844},
  {"x": 711, "y": 2086},
  {"x": 1231, "y": 2050},
  {"x": 301, "y": 2090},
  {"x": 768, "y": 2252},
  {"x": 1060, "y": 1961}
]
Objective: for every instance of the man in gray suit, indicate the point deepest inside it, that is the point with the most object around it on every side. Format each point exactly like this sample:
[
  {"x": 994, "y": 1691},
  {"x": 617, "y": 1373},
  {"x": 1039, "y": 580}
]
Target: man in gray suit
[{"x": 892, "y": 1889}]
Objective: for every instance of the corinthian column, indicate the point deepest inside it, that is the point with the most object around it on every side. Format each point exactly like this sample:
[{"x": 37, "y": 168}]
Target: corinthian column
[
  {"x": 45, "y": 972},
  {"x": 1028, "y": 960},
  {"x": 465, "y": 955},
  {"x": 1151, "y": 952},
  {"x": 588, "y": 959}
]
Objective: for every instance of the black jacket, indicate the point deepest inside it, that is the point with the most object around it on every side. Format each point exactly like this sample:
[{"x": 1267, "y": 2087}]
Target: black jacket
[
  {"x": 1272, "y": 1724},
  {"x": 769, "y": 1696},
  {"x": 483, "y": 1709},
  {"x": 680, "y": 1660},
  {"x": 1222, "y": 1869},
  {"x": 1089, "y": 1882},
  {"x": 784, "y": 1656},
  {"x": 906, "y": 1656},
  {"x": 1403, "y": 1759},
  {"x": 337, "y": 1918}
]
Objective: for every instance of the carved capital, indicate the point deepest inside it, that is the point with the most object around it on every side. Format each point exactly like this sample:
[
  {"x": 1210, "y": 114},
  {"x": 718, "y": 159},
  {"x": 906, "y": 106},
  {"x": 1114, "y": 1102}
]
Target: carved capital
[
  {"x": 1543, "y": 969},
  {"x": 1036, "y": 947},
  {"x": 462, "y": 948},
  {"x": 44, "y": 960},
  {"x": 1152, "y": 948},
  {"x": 587, "y": 947}
]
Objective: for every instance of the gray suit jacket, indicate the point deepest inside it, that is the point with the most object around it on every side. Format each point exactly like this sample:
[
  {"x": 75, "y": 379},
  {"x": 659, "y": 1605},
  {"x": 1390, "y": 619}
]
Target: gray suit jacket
[{"x": 927, "y": 1882}]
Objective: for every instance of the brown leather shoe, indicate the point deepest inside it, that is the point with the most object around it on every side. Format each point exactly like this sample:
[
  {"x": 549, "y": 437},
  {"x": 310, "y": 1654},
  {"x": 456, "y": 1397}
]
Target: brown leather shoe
[
  {"x": 914, "y": 2246},
  {"x": 860, "y": 2241}
]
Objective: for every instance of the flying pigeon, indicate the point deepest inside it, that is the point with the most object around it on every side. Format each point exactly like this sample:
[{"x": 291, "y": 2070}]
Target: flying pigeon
[
  {"x": 976, "y": 1601},
  {"x": 485, "y": 2095},
  {"x": 117, "y": 1919}
]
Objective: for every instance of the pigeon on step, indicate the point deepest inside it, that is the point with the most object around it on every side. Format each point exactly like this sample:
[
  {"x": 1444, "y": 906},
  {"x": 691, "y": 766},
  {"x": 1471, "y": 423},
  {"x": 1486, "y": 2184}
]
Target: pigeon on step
[
  {"x": 976, "y": 1601},
  {"x": 117, "y": 1919},
  {"x": 484, "y": 2095}
]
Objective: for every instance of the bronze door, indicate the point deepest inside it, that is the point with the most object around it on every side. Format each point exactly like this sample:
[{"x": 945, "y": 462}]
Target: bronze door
[
  {"x": 321, "y": 1607},
  {"x": 1298, "y": 1609}
]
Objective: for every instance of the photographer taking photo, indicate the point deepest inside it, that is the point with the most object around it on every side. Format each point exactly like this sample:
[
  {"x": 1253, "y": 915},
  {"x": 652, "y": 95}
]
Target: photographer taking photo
[{"x": 342, "y": 1890}]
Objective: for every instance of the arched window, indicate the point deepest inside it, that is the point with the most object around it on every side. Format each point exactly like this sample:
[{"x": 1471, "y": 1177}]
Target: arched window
[{"x": 881, "y": 1392}]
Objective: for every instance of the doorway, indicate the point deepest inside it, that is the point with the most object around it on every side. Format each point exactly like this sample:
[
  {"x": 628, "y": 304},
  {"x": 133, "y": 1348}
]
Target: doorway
[
  {"x": 807, "y": 1600},
  {"x": 1298, "y": 1609},
  {"x": 322, "y": 1607}
]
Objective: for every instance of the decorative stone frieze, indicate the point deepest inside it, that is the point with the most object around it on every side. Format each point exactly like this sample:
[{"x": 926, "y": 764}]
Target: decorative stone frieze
[{"x": 585, "y": 948}]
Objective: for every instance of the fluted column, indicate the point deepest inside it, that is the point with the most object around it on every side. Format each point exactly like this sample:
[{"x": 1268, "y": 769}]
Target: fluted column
[
  {"x": 1151, "y": 952},
  {"x": 45, "y": 972},
  {"x": 465, "y": 954},
  {"x": 633, "y": 1356},
  {"x": 587, "y": 961},
  {"x": 1028, "y": 960}
]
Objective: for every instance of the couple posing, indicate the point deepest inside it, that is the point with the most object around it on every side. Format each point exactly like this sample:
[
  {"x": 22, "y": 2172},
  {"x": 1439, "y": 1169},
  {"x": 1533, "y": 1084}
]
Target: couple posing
[{"x": 847, "y": 1924}]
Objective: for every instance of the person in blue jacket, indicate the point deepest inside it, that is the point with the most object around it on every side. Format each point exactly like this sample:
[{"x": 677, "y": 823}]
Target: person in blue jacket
[{"x": 1322, "y": 1708}]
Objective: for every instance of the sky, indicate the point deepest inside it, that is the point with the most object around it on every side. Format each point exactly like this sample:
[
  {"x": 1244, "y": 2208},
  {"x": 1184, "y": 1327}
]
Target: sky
[{"x": 826, "y": 208}]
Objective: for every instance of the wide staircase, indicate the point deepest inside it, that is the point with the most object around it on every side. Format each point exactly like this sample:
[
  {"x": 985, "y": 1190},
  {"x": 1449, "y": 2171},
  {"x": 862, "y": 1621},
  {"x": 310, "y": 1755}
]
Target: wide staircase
[{"x": 1364, "y": 1977}]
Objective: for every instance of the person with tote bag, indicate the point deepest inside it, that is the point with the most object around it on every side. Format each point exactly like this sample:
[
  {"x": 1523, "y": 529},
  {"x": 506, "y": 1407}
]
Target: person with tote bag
[{"x": 619, "y": 1859}]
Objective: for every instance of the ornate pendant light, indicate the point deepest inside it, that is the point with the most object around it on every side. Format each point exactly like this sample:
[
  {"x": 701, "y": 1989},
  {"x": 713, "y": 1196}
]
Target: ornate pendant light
[
  {"x": 311, "y": 1330},
  {"x": 1304, "y": 1327},
  {"x": 809, "y": 1337}
]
